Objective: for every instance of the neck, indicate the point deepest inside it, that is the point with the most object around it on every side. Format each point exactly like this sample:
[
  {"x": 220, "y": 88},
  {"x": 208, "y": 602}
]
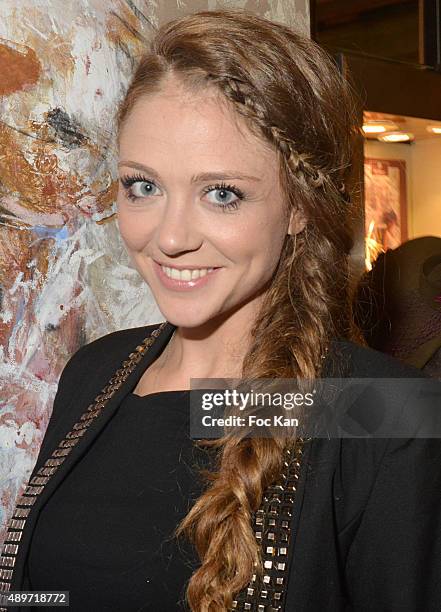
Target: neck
[{"x": 213, "y": 350}]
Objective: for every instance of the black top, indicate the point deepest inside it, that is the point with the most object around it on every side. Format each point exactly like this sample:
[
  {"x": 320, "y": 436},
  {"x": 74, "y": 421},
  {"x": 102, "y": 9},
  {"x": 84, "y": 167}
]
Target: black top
[{"x": 95, "y": 538}]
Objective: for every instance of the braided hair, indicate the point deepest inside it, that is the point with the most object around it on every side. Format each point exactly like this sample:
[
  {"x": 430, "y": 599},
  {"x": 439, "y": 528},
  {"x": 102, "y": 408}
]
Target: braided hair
[{"x": 293, "y": 97}]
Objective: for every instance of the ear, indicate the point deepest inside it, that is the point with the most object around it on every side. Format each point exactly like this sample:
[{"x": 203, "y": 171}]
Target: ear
[{"x": 297, "y": 222}]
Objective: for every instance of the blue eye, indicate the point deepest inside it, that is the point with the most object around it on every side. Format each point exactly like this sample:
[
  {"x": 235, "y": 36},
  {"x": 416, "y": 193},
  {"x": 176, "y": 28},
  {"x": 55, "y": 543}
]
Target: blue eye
[
  {"x": 227, "y": 197},
  {"x": 138, "y": 187},
  {"x": 223, "y": 199}
]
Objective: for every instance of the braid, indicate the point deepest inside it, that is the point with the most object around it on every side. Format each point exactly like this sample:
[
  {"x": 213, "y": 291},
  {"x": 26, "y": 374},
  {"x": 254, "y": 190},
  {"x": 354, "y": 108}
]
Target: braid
[
  {"x": 290, "y": 336},
  {"x": 239, "y": 93}
]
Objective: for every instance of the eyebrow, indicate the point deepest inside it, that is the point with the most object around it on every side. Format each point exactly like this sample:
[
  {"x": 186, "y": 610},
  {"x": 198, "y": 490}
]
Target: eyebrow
[{"x": 198, "y": 178}]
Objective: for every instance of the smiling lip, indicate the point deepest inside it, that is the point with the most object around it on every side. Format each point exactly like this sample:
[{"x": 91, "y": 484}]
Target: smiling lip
[
  {"x": 168, "y": 265},
  {"x": 179, "y": 285}
]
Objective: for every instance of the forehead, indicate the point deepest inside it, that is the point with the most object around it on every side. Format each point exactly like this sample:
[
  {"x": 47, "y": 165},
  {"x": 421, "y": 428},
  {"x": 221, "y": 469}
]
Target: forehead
[{"x": 193, "y": 125}]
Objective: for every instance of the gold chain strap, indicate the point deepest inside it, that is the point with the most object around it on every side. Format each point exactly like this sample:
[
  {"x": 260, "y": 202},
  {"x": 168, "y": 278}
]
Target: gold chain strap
[{"x": 37, "y": 484}]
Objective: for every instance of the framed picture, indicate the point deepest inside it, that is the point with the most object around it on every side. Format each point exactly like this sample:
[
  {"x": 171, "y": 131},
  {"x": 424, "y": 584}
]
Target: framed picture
[{"x": 385, "y": 203}]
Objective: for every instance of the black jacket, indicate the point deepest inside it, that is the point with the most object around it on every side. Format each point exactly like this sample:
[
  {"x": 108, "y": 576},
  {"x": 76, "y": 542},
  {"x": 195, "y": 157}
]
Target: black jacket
[{"x": 367, "y": 514}]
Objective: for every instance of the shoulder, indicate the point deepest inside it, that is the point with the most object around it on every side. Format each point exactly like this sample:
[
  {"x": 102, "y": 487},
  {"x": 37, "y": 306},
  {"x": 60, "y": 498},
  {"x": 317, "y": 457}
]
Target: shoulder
[
  {"x": 92, "y": 364},
  {"x": 383, "y": 397},
  {"x": 101, "y": 356},
  {"x": 113, "y": 346},
  {"x": 121, "y": 338},
  {"x": 85, "y": 373},
  {"x": 361, "y": 361}
]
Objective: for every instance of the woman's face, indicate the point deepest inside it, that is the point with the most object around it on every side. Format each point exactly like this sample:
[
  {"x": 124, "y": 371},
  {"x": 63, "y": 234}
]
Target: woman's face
[{"x": 196, "y": 192}]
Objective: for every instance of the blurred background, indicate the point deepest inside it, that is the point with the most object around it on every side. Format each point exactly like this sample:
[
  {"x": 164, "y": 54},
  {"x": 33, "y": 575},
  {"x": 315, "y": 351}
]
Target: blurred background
[{"x": 392, "y": 50}]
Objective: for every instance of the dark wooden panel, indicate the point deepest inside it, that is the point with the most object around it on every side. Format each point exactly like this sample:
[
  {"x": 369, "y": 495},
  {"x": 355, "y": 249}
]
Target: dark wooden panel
[
  {"x": 430, "y": 33},
  {"x": 395, "y": 87},
  {"x": 332, "y": 12}
]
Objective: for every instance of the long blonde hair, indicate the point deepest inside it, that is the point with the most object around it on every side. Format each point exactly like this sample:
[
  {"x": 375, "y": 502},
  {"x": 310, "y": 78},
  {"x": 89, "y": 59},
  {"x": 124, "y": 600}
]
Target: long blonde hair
[{"x": 293, "y": 96}]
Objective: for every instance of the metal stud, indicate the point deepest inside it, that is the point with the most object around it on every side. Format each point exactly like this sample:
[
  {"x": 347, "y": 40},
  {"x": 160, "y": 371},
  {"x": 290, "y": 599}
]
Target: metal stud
[
  {"x": 61, "y": 452},
  {"x": 25, "y": 501},
  {"x": 33, "y": 490},
  {"x": 21, "y": 512},
  {"x": 16, "y": 524},
  {"x": 82, "y": 425},
  {"x": 53, "y": 462},
  {"x": 46, "y": 471},
  {"x": 70, "y": 443},
  {"x": 39, "y": 480},
  {"x": 13, "y": 536}
]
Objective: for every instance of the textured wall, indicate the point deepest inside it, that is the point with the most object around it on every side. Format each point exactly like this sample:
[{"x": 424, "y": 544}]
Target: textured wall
[{"x": 65, "y": 278}]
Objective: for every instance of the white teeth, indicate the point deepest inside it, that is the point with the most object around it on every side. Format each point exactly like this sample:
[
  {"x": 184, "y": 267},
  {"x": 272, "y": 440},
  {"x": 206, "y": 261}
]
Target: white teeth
[{"x": 185, "y": 275}]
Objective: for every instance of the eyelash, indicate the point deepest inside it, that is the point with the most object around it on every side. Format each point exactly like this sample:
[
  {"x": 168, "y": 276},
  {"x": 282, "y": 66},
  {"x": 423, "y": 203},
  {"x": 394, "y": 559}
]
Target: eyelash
[{"x": 128, "y": 181}]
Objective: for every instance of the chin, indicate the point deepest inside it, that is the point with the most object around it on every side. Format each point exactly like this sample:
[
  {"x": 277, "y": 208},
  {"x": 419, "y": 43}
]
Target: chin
[
  {"x": 181, "y": 317},
  {"x": 188, "y": 318}
]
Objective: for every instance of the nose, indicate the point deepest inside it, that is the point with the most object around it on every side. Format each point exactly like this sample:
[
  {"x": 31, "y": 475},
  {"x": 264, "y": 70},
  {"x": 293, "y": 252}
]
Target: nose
[{"x": 178, "y": 228}]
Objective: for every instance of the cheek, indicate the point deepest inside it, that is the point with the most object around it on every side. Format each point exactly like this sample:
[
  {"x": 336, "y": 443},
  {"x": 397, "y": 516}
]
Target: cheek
[
  {"x": 134, "y": 233},
  {"x": 266, "y": 241},
  {"x": 257, "y": 240}
]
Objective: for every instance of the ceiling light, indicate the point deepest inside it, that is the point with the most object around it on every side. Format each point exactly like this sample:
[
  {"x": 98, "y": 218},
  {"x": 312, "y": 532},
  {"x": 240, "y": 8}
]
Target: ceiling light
[
  {"x": 373, "y": 129},
  {"x": 378, "y": 127},
  {"x": 435, "y": 129},
  {"x": 396, "y": 137}
]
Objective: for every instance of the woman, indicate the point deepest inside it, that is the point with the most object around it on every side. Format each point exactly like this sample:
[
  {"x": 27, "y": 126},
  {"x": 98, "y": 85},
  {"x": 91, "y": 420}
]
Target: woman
[{"x": 235, "y": 146}]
